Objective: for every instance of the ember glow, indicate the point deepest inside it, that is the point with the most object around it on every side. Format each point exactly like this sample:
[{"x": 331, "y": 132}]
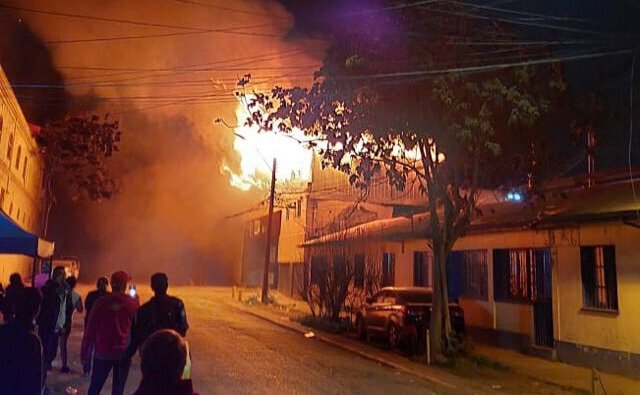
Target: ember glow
[{"x": 258, "y": 148}]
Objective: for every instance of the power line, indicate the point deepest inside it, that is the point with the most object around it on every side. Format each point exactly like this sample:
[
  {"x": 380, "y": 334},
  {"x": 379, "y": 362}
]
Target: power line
[
  {"x": 519, "y": 22},
  {"x": 492, "y": 67},
  {"x": 231, "y": 30},
  {"x": 224, "y": 8},
  {"x": 633, "y": 188},
  {"x": 131, "y": 22}
]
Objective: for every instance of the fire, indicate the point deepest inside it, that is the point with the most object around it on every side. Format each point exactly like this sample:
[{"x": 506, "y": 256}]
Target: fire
[{"x": 257, "y": 150}]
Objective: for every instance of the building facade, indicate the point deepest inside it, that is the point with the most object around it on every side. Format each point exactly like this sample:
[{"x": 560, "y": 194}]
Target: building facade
[
  {"x": 558, "y": 278},
  {"x": 21, "y": 175},
  {"x": 324, "y": 204}
]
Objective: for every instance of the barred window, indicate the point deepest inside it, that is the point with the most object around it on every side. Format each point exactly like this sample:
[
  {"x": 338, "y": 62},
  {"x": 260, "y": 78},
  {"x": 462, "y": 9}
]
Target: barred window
[
  {"x": 467, "y": 274},
  {"x": 358, "y": 270},
  {"x": 388, "y": 269},
  {"x": 319, "y": 269},
  {"x": 514, "y": 274},
  {"x": 599, "y": 279},
  {"x": 422, "y": 269}
]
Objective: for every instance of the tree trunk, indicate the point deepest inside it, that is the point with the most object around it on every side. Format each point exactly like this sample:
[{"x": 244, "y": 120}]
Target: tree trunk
[
  {"x": 435, "y": 323},
  {"x": 440, "y": 323}
]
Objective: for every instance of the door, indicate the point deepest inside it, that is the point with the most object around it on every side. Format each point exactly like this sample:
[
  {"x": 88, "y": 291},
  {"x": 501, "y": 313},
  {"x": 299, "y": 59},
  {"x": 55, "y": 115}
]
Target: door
[{"x": 543, "y": 307}]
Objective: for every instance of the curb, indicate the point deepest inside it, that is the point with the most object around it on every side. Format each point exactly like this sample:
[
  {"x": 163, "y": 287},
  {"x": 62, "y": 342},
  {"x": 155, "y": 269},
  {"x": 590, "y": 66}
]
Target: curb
[{"x": 348, "y": 348}]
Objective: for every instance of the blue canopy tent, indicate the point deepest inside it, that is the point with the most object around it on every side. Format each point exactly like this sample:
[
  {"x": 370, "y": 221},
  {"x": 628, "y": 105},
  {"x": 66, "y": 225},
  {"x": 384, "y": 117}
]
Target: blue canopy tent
[{"x": 15, "y": 240}]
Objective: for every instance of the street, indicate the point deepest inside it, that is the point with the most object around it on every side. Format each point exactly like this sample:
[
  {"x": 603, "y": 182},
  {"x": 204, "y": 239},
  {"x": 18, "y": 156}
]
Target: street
[{"x": 235, "y": 353}]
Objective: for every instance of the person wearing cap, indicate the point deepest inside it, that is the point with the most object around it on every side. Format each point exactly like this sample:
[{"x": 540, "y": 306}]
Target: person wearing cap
[
  {"x": 161, "y": 312},
  {"x": 165, "y": 365},
  {"x": 53, "y": 317},
  {"x": 107, "y": 334}
]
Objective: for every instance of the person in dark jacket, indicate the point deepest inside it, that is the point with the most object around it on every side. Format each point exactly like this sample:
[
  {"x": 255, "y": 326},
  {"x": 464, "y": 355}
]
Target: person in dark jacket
[
  {"x": 161, "y": 312},
  {"x": 101, "y": 290},
  {"x": 165, "y": 365},
  {"x": 76, "y": 305},
  {"x": 56, "y": 301},
  {"x": 20, "y": 348},
  {"x": 12, "y": 293},
  {"x": 2, "y": 301}
]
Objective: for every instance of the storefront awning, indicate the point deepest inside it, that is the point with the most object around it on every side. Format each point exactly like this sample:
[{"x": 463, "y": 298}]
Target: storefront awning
[{"x": 15, "y": 240}]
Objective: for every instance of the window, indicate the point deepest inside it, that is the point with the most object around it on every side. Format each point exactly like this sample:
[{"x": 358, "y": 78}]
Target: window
[
  {"x": 24, "y": 169},
  {"x": 339, "y": 269},
  {"x": 358, "y": 270},
  {"x": 18, "y": 157},
  {"x": 18, "y": 216},
  {"x": 1, "y": 124},
  {"x": 422, "y": 269},
  {"x": 388, "y": 269},
  {"x": 11, "y": 209},
  {"x": 10, "y": 148},
  {"x": 318, "y": 269},
  {"x": 467, "y": 274},
  {"x": 2, "y": 196},
  {"x": 299, "y": 208},
  {"x": 514, "y": 274},
  {"x": 257, "y": 228},
  {"x": 599, "y": 281}
]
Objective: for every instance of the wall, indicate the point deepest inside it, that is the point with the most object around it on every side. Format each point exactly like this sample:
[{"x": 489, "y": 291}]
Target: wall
[
  {"x": 21, "y": 193},
  {"x": 602, "y": 330}
]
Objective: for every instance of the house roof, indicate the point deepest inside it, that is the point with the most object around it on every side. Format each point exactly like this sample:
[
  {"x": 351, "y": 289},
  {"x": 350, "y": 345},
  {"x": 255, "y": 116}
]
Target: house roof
[{"x": 607, "y": 202}]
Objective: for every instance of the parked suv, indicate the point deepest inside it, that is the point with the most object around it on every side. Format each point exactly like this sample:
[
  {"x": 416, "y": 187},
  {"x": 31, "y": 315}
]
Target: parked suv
[{"x": 402, "y": 315}]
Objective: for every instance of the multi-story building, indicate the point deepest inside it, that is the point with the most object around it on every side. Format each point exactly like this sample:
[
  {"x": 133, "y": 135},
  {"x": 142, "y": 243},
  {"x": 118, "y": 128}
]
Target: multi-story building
[
  {"x": 21, "y": 174},
  {"x": 306, "y": 209}
]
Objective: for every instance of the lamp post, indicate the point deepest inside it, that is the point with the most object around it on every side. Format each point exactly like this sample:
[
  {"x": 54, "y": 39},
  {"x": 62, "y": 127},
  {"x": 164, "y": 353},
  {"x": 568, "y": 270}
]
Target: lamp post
[{"x": 267, "y": 254}]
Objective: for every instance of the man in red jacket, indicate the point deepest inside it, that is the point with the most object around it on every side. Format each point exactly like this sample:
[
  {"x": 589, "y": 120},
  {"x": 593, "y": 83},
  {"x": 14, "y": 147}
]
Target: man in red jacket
[{"x": 107, "y": 333}]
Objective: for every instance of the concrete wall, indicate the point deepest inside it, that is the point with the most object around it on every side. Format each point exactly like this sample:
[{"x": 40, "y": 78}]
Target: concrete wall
[
  {"x": 21, "y": 196},
  {"x": 615, "y": 331},
  {"x": 606, "y": 340},
  {"x": 21, "y": 172}
]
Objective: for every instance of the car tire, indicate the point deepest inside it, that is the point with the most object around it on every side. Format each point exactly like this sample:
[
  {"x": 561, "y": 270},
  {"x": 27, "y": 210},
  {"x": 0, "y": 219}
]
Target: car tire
[
  {"x": 393, "y": 335},
  {"x": 361, "y": 328}
]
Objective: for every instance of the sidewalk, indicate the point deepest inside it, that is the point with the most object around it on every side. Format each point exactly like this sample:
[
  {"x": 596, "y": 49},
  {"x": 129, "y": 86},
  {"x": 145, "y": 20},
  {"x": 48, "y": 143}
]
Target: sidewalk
[
  {"x": 562, "y": 375},
  {"x": 558, "y": 373},
  {"x": 466, "y": 378}
]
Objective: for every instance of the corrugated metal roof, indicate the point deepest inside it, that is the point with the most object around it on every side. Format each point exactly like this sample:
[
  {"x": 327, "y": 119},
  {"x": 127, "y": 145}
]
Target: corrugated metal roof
[{"x": 615, "y": 201}]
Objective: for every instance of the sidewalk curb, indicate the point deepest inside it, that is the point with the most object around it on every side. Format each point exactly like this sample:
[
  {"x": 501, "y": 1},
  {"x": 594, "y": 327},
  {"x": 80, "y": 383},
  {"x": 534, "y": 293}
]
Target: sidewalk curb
[{"x": 348, "y": 348}]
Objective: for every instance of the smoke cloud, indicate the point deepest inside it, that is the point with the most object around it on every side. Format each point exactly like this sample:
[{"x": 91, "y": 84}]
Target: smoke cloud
[{"x": 166, "y": 87}]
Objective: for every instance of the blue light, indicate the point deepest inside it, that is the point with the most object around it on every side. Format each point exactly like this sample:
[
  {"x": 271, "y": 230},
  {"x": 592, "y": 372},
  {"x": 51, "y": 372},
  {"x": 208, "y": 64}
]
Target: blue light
[{"x": 514, "y": 196}]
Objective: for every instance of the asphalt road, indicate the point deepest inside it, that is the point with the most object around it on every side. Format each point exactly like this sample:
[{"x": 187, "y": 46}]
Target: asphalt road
[{"x": 236, "y": 353}]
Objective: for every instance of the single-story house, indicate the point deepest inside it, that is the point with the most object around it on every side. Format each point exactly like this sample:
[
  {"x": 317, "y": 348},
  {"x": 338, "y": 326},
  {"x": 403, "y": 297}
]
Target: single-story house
[{"x": 558, "y": 275}]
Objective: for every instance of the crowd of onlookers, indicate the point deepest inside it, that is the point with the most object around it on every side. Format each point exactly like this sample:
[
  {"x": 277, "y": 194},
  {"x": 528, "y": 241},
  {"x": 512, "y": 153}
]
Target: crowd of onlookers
[{"x": 38, "y": 322}]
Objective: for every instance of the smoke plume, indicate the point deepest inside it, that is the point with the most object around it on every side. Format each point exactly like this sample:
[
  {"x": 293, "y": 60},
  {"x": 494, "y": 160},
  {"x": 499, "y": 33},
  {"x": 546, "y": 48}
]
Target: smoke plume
[{"x": 166, "y": 71}]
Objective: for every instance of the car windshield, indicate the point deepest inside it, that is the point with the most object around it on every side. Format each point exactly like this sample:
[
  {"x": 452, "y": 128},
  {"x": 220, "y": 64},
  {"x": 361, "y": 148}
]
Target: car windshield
[{"x": 415, "y": 297}]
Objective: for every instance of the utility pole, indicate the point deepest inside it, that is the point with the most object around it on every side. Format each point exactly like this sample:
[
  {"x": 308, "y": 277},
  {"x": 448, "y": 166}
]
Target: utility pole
[{"x": 267, "y": 254}]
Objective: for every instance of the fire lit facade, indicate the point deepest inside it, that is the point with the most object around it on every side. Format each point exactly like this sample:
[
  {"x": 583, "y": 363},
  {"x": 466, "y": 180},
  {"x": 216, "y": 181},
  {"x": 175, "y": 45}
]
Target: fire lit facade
[
  {"x": 307, "y": 209},
  {"x": 558, "y": 279},
  {"x": 21, "y": 173}
]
